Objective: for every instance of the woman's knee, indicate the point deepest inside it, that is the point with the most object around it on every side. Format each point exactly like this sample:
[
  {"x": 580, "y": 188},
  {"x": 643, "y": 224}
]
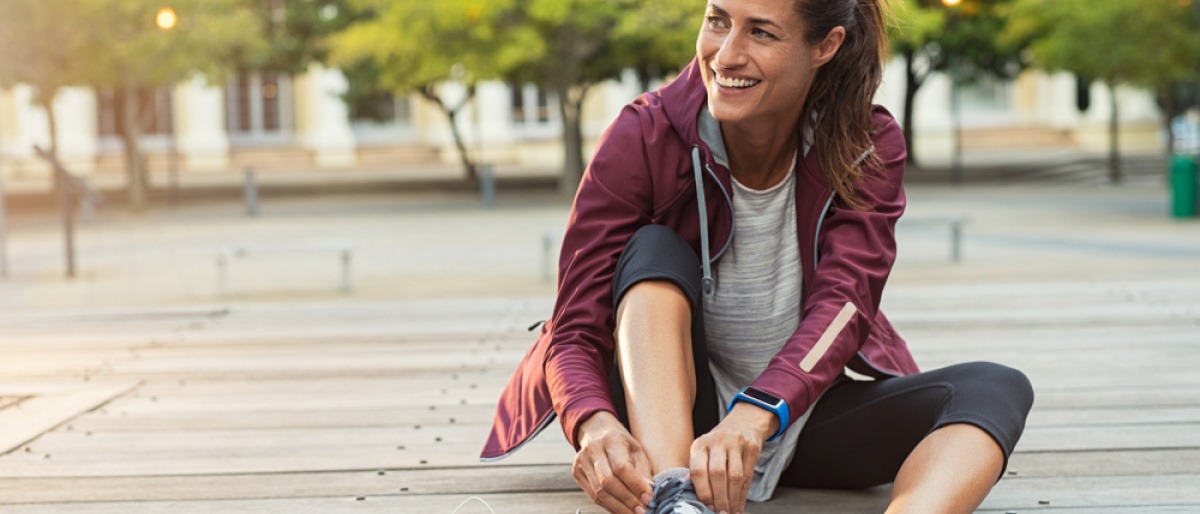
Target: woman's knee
[
  {"x": 656, "y": 253},
  {"x": 1009, "y": 382},
  {"x": 658, "y": 296}
]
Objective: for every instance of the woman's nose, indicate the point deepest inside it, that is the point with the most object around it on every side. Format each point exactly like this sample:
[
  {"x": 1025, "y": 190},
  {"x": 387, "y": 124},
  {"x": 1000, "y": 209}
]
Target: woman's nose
[{"x": 731, "y": 53}]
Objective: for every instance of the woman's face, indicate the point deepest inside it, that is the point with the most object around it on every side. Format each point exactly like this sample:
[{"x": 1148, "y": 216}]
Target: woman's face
[{"x": 755, "y": 62}]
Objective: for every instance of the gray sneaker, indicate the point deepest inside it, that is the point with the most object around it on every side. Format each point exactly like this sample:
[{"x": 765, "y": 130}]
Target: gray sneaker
[{"x": 676, "y": 496}]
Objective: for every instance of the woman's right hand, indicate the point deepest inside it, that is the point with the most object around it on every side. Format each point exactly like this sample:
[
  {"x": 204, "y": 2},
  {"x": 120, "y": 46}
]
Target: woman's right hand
[{"x": 611, "y": 466}]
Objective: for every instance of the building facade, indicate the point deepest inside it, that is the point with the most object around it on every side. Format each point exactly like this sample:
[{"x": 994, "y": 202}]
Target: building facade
[{"x": 299, "y": 123}]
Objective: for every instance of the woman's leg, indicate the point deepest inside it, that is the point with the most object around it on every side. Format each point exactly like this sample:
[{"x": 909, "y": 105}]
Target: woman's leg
[
  {"x": 654, "y": 348},
  {"x": 952, "y": 470},
  {"x": 943, "y": 436},
  {"x": 661, "y": 386}
]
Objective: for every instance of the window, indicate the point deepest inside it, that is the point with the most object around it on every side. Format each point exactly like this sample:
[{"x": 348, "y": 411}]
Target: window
[
  {"x": 259, "y": 108},
  {"x": 532, "y": 111},
  {"x": 381, "y": 119},
  {"x": 153, "y": 112}
]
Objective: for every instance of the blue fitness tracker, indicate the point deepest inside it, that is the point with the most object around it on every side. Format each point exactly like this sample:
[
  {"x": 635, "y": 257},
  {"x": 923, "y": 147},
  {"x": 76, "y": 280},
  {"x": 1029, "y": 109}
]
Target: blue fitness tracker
[{"x": 766, "y": 401}]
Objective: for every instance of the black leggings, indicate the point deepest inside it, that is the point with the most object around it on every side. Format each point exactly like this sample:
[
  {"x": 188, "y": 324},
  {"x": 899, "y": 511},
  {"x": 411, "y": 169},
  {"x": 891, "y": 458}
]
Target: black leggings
[{"x": 860, "y": 432}]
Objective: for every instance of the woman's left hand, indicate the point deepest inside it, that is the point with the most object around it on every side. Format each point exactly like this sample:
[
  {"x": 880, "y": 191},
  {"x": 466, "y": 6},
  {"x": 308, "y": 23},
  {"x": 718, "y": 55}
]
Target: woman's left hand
[{"x": 722, "y": 462}]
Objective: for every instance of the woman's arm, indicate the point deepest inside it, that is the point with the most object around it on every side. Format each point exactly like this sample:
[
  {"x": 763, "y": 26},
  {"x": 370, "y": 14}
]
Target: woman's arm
[{"x": 857, "y": 249}]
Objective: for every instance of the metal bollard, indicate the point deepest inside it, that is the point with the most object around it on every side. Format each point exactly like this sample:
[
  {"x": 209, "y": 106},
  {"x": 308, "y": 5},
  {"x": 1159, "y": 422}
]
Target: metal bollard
[
  {"x": 346, "y": 287},
  {"x": 956, "y": 241},
  {"x": 487, "y": 185},
  {"x": 547, "y": 258},
  {"x": 87, "y": 203},
  {"x": 250, "y": 193}
]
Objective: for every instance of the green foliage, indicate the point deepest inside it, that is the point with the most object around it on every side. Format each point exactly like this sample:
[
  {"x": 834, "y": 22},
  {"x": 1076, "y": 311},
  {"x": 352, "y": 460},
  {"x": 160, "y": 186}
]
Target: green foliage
[
  {"x": 126, "y": 47},
  {"x": 588, "y": 41},
  {"x": 914, "y": 25},
  {"x": 414, "y": 44},
  {"x": 296, "y": 32},
  {"x": 653, "y": 38},
  {"x": 1146, "y": 43},
  {"x": 38, "y": 45},
  {"x": 972, "y": 32}
]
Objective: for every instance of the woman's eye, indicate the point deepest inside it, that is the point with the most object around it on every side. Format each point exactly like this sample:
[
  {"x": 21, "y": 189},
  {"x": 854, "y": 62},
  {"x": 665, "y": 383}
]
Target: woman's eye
[{"x": 763, "y": 33}]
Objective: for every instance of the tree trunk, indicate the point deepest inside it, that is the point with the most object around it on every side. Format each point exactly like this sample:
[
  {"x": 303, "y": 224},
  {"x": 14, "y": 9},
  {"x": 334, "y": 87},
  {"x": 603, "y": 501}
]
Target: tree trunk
[
  {"x": 1170, "y": 109},
  {"x": 47, "y": 103},
  {"x": 452, "y": 116},
  {"x": 570, "y": 106},
  {"x": 912, "y": 83},
  {"x": 1114, "y": 154},
  {"x": 133, "y": 154}
]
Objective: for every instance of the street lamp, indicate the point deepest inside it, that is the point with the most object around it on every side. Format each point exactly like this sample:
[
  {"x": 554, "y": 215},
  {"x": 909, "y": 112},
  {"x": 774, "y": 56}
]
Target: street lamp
[
  {"x": 166, "y": 18},
  {"x": 956, "y": 165}
]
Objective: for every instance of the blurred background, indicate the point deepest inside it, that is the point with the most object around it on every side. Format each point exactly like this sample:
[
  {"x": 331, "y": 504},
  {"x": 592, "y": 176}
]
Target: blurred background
[
  {"x": 119, "y": 116},
  {"x": 280, "y": 255}
]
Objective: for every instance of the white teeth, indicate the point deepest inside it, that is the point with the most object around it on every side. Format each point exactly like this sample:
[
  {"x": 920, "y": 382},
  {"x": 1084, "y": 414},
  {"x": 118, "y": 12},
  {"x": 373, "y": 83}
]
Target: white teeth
[{"x": 732, "y": 82}]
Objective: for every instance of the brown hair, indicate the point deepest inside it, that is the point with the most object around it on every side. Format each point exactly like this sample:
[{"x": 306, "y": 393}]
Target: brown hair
[{"x": 843, "y": 90}]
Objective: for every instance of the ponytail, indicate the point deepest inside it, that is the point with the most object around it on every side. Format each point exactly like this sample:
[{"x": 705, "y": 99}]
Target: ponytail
[{"x": 844, "y": 88}]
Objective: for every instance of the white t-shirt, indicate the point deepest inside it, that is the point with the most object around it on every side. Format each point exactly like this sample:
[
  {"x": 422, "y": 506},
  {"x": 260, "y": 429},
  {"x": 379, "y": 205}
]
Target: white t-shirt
[{"x": 756, "y": 308}]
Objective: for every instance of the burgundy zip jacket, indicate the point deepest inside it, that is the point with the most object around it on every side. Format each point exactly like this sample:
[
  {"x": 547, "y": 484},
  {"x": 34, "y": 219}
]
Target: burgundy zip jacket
[{"x": 644, "y": 172}]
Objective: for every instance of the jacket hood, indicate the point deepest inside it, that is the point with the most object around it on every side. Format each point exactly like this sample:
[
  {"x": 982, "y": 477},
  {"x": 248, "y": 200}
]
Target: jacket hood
[{"x": 682, "y": 99}]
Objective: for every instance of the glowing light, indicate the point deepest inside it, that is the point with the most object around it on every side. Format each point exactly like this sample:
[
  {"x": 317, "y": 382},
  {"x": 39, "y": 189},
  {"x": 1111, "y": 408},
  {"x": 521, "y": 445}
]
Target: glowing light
[
  {"x": 951, "y": 3},
  {"x": 166, "y": 18}
]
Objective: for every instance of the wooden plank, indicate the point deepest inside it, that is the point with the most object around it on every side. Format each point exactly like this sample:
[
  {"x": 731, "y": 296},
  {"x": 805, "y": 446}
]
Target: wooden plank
[
  {"x": 227, "y": 461},
  {"x": 483, "y": 480},
  {"x": 1084, "y": 492},
  {"x": 478, "y": 481},
  {"x": 1101, "y": 495},
  {"x": 815, "y": 502},
  {"x": 1184, "y": 461},
  {"x": 31, "y": 418}
]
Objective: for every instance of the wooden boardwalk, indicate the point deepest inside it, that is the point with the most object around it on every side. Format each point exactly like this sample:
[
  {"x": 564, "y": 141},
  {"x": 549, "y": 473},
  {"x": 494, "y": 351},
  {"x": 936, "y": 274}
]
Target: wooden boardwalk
[{"x": 382, "y": 407}]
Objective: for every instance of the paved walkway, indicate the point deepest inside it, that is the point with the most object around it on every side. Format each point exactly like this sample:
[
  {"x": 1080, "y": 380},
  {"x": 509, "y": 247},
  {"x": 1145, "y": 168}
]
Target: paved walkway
[{"x": 136, "y": 388}]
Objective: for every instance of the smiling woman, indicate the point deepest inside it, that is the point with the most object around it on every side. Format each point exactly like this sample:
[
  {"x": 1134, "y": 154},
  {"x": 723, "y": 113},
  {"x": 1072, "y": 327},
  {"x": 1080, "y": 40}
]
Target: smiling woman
[{"x": 723, "y": 267}]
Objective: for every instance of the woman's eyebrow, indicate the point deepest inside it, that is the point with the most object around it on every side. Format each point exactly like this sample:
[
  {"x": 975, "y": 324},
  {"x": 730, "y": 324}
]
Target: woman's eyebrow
[{"x": 753, "y": 21}]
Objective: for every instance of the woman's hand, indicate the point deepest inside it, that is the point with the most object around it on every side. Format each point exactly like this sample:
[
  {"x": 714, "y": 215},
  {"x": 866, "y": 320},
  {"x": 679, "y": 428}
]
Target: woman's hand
[
  {"x": 611, "y": 466},
  {"x": 722, "y": 464}
]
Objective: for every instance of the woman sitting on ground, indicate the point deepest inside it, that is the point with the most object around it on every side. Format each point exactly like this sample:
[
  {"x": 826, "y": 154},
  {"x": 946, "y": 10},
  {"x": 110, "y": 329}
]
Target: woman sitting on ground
[{"x": 722, "y": 270}]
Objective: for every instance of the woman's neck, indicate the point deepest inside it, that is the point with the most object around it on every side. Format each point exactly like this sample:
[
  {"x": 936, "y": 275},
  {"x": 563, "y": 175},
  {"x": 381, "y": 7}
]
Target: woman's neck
[{"x": 760, "y": 159}]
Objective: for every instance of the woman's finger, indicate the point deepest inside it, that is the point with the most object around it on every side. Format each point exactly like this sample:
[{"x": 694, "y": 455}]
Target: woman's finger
[
  {"x": 737, "y": 479},
  {"x": 718, "y": 477},
  {"x": 642, "y": 463},
  {"x": 582, "y": 472},
  {"x": 635, "y": 481},
  {"x": 611, "y": 485},
  {"x": 749, "y": 459},
  {"x": 698, "y": 468},
  {"x": 611, "y": 503}
]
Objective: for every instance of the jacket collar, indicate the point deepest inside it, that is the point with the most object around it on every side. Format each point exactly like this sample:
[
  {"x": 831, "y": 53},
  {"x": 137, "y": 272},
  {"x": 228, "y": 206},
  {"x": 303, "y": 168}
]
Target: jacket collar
[{"x": 685, "y": 101}]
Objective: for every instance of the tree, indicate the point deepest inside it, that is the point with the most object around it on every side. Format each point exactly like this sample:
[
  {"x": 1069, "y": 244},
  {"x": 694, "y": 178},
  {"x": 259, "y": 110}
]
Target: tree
[
  {"x": 39, "y": 43},
  {"x": 1157, "y": 45},
  {"x": 965, "y": 40},
  {"x": 129, "y": 52},
  {"x": 296, "y": 33},
  {"x": 418, "y": 46},
  {"x": 117, "y": 44},
  {"x": 589, "y": 41}
]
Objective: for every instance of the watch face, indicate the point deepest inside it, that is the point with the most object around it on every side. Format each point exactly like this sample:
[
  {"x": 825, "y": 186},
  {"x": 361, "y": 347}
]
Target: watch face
[{"x": 762, "y": 396}]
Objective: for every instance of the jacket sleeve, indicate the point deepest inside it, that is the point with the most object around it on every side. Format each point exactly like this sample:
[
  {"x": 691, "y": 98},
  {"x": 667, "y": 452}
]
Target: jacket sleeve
[
  {"x": 612, "y": 202},
  {"x": 857, "y": 249}
]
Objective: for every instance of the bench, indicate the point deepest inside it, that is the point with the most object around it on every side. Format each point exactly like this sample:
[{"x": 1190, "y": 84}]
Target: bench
[
  {"x": 230, "y": 252},
  {"x": 953, "y": 223}
]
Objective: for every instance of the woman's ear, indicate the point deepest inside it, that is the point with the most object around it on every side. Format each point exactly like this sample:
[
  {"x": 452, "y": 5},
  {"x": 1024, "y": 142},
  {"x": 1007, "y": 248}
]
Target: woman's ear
[{"x": 828, "y": 47}]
